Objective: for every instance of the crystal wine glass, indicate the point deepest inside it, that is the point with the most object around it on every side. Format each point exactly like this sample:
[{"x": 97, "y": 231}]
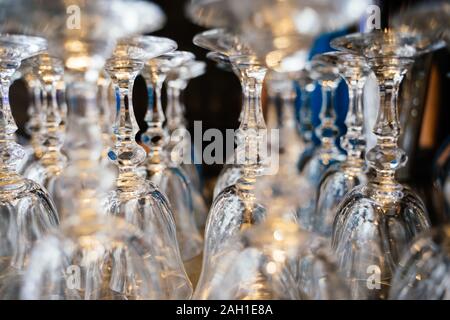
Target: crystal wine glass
[
  {"x": 338, "y": 180},
  {"x": 170, "y": 178},
  {"x": 287, "y": 176},
  {"x": 376, "y": 221},
  {"x": 275, "y": 259},
  {"x": 224, "y": 45},
  {"x": 26, "y": 210},
  {"x": 176, "y": 83},
  {"x": 92, "y": 255},
  {"x": 280, "y": 87},
  {"x": 235, "y": 208},
  {"x": 52, "y": 162},
  {"x": 32, "y": 127},
  {"x": 135, "y": 199},
  {"x": 327, "y": 153}
]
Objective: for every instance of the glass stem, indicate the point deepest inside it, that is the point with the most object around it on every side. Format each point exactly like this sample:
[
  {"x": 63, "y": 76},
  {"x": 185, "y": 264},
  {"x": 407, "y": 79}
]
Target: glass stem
[
  {"x": 10, "y": 151},
  {"x": 51, "y": 135},
  {"x": 250, "y": 135},
  {"x": 176, "y": 125},
  {"x": 287, "y": 124},
  {"x": 354, "y": 141},
  {"x": 252, "y": 128},
  {"x": 155, "y": 135},
  {"x": 175, "y": 108},
  {"x": 386, "y": 157},
  {"x": 327, "y": 131},
  {"x": 306, "y": 126},
  {"x": 127, "y": 152}
]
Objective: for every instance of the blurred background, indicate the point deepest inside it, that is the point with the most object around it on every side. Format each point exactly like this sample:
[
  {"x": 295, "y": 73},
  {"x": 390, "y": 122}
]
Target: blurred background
[{"x": 215, "y": 98}]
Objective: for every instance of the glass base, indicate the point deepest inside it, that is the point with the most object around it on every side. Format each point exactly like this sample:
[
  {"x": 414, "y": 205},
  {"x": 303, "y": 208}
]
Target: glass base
[
  {"x": 372, "y": 229},
  {"x": 226, "y": 219},
  {"x": 26, "y": 215}
]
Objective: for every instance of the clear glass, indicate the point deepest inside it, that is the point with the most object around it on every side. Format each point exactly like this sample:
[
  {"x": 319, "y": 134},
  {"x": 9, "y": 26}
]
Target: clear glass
[
  {"x": 176, "y": 83},
  {"x": 136, "y": 200},
  {"x": 167, "y": 175},
  {"x": 327, "y": 153},
  {"x": 275, "y": 260},
  {"x": 423, "y": 272},
  {"x": 286, "y": 177},
  {"x": 339, "y": 179},
  {"x": 377, "y": 221},
  {"x": 27, "y": 212},
  {"x": 235, "y": 208},
  {"x": 275, "y": 29},
  {"x": 224, "y": 45},
  {"x": 49, "y": 166},
  {"x": 280, "y": 89},
  {"x": 101, "y": 257}
]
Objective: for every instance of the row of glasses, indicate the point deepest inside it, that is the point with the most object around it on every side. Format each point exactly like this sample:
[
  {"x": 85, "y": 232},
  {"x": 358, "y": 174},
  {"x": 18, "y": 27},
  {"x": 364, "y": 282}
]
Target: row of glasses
[
  {"x": 376, "y": 221},
  {"x": 27, "y": 211},
  {"x": 135, "y": 199},
  {"x": 109, "y": 258},
  {"x": 235, "y": 208},
  {"x": 256, "y": 24},
  {"x": 223, "y": 45},
  {"x": 52, "y": 162}
]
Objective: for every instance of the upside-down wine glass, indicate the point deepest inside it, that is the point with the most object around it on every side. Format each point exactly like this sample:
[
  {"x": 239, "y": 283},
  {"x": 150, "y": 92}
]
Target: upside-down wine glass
[
  {"x": 32, "y": 127},
  {"x": 235, "y": 208},
  {"x": 423, "y": 272},
  {"x": 176, "y": 83},
  {"x": 52, "y": 162},
  {"x": 26, "y": 210},
  {"x": 91, "y": 255},
  {"x": 287, "y": 176},
  {"x": 306, "y": 86},
  {"x": 376, "y": 221},
  {"x": 135, "y": 199},
  {"x": 327, "y": 153},
  {"x": 339, "y": 179},
  {"x": 224, "y": 45},
  {"x": 170, "y": 178},
  {"x": 270, "y": 43},
  {"x": 107, "y": 112}
]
